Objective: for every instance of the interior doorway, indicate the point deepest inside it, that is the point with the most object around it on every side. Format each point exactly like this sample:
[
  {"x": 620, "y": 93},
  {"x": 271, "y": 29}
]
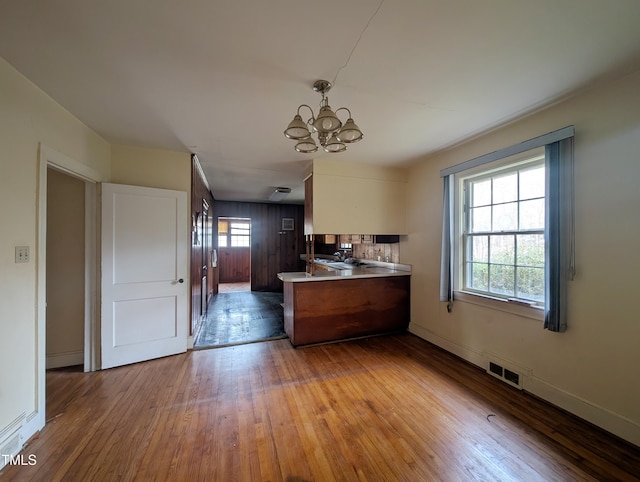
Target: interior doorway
[
  {"x": 236, "y": 314},
  {"x": 65, "y": 270},
  {"x": 83, "y": 358},
  {"x": 234, "y": 254}
]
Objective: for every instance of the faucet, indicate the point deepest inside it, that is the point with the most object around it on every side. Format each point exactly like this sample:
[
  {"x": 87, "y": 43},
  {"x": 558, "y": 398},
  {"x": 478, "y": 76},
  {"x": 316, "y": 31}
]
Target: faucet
[{"x": 341, "y": 256}]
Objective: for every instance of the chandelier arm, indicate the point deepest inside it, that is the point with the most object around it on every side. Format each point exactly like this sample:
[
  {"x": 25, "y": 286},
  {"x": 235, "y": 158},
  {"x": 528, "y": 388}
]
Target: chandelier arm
[
  {"x": 313, "y": 117},
  {"x": 343, "y": 108}
]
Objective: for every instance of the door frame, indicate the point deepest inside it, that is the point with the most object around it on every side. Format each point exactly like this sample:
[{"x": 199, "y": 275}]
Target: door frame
[
  {"x": 50, "y": 158},
  {"x": 221, "y": 260}
]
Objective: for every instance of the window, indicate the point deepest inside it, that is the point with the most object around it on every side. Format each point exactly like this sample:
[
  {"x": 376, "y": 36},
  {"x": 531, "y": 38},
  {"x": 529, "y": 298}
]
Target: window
[
  {"x": 234, "y": 233},
  {"x": 502, "y": 245},
  {"x": 508, "y": 228}
]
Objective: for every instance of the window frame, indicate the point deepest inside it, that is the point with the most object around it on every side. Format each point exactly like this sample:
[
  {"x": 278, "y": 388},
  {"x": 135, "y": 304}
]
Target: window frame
[
  {"x": 229, "y": 236},
  {"x": 522, "y": 307}
]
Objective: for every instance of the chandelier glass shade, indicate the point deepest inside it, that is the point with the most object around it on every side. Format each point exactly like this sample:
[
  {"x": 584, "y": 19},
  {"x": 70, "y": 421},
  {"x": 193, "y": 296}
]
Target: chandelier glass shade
[{"x": 331, "y": 133}]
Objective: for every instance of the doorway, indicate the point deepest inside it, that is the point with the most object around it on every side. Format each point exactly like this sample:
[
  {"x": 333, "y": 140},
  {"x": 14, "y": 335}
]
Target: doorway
[
  {"x": 234, "y": 254},
  {"x": 53, "y": 163},
  {"x": 236, "y": 314},
  {"x": 65, "y": 270}
]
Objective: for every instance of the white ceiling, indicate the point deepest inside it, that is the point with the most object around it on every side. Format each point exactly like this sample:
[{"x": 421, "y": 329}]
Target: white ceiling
[{"x": 224, "y": 78}]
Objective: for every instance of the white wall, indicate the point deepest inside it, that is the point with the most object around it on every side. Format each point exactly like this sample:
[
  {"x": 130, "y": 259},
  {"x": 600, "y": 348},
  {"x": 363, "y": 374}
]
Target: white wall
[
  {"x": 151, "y": 168},
  {"x": 592, "y": 369},
  {"x": 27, "y": 118}
]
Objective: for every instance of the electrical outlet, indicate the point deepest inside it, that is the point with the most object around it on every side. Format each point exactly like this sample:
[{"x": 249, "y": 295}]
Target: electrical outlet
[{"x": 22, "y": 254}]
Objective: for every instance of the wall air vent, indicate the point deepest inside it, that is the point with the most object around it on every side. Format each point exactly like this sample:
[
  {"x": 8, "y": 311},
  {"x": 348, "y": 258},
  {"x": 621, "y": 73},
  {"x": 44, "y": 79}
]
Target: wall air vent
[
  {"x": 508, "y": 376},
  {"x": 495, "y": 369}
]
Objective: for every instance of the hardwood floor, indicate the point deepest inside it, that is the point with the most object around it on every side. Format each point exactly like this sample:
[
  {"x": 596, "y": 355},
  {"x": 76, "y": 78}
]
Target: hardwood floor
[{"x": 379, "y": 409}]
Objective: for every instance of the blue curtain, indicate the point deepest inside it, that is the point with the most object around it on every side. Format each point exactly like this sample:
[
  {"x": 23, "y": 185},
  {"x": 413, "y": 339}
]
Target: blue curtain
[
  {"x": 559, "y": 239},
  {"x": 446, "y": 261}
]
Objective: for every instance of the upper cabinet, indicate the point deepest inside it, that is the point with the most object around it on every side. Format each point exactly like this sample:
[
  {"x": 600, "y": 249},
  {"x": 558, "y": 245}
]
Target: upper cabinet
[{"x": 355, "y": 198}]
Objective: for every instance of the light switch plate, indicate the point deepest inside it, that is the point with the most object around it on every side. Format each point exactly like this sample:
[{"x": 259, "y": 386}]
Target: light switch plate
[{"x": 22, "y": 254}]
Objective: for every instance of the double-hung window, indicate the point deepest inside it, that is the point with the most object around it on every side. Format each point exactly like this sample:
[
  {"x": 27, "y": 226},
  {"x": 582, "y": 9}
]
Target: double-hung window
[
  {"x": 502, "y": 233},
  {"x": 507, "y": 233}
]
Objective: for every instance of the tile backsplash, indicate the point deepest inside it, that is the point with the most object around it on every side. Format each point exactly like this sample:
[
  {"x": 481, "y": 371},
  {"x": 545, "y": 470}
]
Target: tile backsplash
[{"x": 372, "y": 251}]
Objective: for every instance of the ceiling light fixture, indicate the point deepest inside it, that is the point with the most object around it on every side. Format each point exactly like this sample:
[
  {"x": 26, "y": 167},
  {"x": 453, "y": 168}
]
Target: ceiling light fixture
[
  {"x": 279, "y": 194},
  {"x": 332, "y": 134}
]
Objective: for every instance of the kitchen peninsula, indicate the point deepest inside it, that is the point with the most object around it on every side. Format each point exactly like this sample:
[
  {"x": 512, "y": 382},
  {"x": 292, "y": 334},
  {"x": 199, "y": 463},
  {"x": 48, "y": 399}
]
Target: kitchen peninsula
[{"x": 345, "y": 301}]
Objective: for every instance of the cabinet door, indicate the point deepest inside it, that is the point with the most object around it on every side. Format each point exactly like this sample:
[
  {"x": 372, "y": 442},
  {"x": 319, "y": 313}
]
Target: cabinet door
[
  {"x": 329, "y": 239},
  {"x": 367, "y": 238},
  {"x": 356, "y": 238},
  {"x": 308, "y": 205}
]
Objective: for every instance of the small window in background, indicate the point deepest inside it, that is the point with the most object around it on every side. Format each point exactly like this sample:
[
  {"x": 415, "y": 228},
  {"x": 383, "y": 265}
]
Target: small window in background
[
  {"x": 223, "y": 232},
  {"x": 234, "y": 233}
]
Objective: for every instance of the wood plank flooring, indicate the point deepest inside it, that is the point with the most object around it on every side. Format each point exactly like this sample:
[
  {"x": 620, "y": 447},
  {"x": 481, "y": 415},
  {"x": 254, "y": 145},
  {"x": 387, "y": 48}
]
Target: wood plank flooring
[{"x": 379, "y": 409}]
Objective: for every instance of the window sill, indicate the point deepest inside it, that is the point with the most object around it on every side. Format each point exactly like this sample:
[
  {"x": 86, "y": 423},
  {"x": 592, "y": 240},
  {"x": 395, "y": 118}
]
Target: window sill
[{"x": 513, "y": 307}]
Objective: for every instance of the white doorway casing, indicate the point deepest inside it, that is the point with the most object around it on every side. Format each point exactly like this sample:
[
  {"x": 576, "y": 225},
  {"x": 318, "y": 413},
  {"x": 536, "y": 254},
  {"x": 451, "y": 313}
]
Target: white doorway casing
[{"x": 49, "y": 157}]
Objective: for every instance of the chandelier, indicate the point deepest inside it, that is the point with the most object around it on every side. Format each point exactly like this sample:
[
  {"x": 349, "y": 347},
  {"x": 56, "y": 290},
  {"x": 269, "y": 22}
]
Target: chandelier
[{"x": 332, "y": 134}]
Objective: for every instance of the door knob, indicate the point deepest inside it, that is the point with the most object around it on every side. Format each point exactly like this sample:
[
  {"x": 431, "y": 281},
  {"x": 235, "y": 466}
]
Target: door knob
[{"x": 181, "y": 280}]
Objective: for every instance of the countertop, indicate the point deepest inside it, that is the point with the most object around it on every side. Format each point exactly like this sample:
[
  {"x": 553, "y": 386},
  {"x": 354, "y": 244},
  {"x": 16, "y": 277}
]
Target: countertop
[{"x": 370, "y": 269}]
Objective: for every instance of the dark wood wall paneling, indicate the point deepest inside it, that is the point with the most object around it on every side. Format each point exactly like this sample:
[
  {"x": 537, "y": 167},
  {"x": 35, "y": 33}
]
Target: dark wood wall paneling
[
  {"x": 235, "y": 265},
  {"x": 271, "y": 252},
  {"x": 201, "y": 243}
]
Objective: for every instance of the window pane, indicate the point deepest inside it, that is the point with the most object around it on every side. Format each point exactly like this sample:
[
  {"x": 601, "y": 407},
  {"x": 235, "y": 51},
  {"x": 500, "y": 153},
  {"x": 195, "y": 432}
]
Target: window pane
[
  {"x": 223, "y": 227},
  {"x": 478, "y": 276},
  {"x": 532, "y": 214},
  {"x": 239, "y": 228},
  {"x": 505, "y": 188},
  {"x": 479, "y": 249},
  {"x": 222, "y": 241},
  {"x": 480, "y": 219},
  {"x": 530, "y": 249},
  {"x": 502, "y": 280},
  {"x": 502, "y": 249},
  {"x": 239, "y": 241},
  {"x": 530, "y": 284},
  {"x": 481, "y": 193},
  {"x": 505, "y": 217},
  {"x": 532, "y": 183}
]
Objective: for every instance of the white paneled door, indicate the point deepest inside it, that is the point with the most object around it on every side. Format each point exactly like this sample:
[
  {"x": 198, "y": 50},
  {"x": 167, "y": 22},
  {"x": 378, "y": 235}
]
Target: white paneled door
[{"x": 144, "y": 309}]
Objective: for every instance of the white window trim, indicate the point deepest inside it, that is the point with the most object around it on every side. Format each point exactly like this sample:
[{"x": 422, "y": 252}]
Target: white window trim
[
  {"x": 509, "y": 306},
  {"x": 516, "y": 307}
]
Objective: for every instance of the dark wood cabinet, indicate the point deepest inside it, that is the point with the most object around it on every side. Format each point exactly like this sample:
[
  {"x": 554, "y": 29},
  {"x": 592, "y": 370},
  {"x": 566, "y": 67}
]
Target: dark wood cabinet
[
  {"x": 321, "y": 311},
  {"x": 308, "y": 205}
]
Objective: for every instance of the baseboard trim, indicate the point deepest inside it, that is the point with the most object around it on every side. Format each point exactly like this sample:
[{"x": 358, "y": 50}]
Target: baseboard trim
[
  {"x": 66, "y": 359},
  {"x": 604, "y": 418},
  {"x": 467, "y": 353},
  {"x": 612, "y": 422},
  {"x": 10, "y": 439}
]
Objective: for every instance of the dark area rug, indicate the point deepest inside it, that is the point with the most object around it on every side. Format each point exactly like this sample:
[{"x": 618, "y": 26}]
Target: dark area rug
[{"x": 242, "y": 317}]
